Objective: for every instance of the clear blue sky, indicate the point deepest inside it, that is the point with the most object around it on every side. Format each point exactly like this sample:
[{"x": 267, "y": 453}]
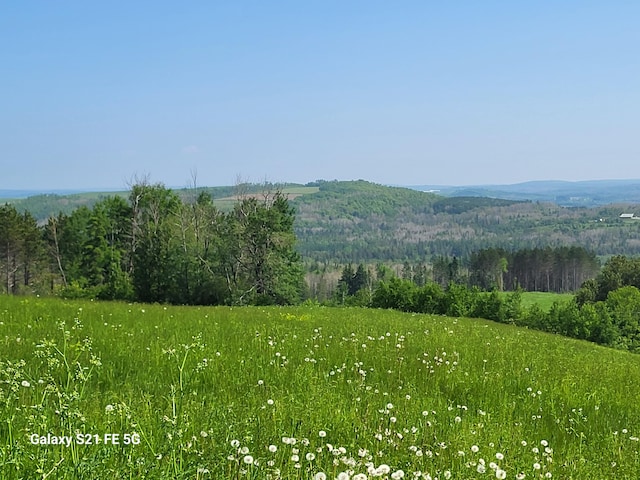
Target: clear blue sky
[{"x": 407, "y": 92}]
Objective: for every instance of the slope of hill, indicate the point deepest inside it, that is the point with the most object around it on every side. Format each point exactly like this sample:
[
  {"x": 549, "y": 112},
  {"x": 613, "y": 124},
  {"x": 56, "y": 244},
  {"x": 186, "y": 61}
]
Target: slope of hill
[{"x": 360, "y": 221}]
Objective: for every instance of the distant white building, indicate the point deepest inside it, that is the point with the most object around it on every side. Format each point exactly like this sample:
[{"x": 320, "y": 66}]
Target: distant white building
[{"x": 629, "y": 216}]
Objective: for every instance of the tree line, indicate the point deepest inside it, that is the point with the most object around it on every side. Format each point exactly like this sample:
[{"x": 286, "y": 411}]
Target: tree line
[
  {"x": 156, "y": 247},
  {"x": 549, "y": 269}
]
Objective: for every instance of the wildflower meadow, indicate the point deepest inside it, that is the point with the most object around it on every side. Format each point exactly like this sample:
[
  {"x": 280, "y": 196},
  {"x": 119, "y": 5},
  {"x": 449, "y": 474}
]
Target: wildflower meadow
[{"x": 113, "y": 390}]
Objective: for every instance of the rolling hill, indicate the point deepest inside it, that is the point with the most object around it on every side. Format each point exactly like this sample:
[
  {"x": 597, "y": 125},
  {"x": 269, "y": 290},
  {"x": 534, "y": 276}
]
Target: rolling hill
[{"x": 359, "y": 221}]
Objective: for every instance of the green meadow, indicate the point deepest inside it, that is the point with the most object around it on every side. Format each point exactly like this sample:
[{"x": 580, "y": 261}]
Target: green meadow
[
  {"x": 148, "y": 391},
  {"x": 544, "y": 299}
]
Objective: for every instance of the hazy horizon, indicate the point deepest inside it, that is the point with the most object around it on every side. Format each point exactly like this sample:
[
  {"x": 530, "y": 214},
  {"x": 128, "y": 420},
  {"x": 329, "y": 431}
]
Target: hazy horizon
[
  {"x": 22, "y": 193},
  {"x": 405, "y": 94}
]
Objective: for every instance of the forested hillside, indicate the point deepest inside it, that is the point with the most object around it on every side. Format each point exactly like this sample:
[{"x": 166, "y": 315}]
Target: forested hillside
[
  {"x": 342, "y": 222},
  {"x": 364, "y": 222}
]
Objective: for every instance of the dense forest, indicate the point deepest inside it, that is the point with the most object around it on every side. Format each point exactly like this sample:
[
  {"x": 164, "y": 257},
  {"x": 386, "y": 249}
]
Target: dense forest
[
  {"x": 157, "y": 247},
  {"x": 363, "y": 222},
  {"x": 559, "y": 269}
]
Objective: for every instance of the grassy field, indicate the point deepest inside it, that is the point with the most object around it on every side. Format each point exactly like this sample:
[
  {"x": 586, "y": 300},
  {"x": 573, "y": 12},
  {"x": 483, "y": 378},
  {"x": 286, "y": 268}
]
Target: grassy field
[
  {"x": 304, "y": 393},
  {"x": 544, "y": 299}
]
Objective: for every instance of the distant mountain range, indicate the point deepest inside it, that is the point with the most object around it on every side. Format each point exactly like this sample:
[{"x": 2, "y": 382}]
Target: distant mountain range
[{"x": 568, "y": 194}]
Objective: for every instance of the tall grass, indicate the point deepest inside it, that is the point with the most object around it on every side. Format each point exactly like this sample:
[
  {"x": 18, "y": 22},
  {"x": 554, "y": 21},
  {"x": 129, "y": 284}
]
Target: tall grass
[{"x": 306, "y": 392}]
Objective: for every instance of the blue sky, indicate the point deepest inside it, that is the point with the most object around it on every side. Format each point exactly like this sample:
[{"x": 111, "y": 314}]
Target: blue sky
[{"x": 408, "y": 92}]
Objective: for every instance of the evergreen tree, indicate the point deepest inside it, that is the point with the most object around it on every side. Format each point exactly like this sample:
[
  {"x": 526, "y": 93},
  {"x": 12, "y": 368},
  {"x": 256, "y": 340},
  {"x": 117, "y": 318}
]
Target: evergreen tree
[
  {"x": 153, "y": 256},
  {"x": 262, "y": 264}
]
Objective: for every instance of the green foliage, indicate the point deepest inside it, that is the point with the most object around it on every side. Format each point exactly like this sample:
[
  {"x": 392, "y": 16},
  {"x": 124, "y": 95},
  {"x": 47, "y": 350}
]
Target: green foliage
[
  {"x": 21, "y": 252},
  {"x": 490, "y": 306},
  {"x": 263, "y": 263},
  {"x": 624, "y": 307},
  {"x": 457, "y": 205},
  {"x": 429, "y": 298},
  {"x": 550, "y": 269},
  {"x": 351, "y": 282},
  {"x": 159, "y": 246},
  {"x": 619, "y": 271},
  {"x": 396, "y": 293}
]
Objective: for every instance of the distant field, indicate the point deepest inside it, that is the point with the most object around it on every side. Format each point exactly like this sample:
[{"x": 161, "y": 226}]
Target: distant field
[
  {"x": 544, "y": 299},
  {"x": 226, "y": 203},
  {"x": 43, "y": 206},
  {"x": 295, "y": 393}
]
